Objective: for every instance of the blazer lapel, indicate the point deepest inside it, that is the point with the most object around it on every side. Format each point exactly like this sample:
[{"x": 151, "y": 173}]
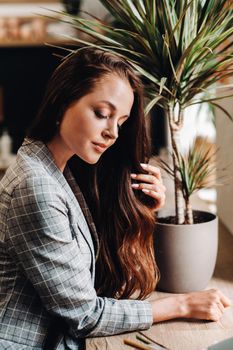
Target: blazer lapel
[
  {"x": 39, "y": 150},
  {"x": 82, "y": 202}
]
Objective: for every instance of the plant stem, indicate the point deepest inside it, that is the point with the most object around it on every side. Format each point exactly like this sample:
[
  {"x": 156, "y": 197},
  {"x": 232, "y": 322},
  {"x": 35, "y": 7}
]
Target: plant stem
[
  {"x": 175, "y": 137},
  {"x": 189, "y": 212}
]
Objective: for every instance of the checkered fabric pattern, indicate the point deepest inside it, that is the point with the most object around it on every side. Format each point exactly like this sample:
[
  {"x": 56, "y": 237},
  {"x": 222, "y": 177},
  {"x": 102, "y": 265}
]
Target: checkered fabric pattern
[{"x": 47, "y": 261}]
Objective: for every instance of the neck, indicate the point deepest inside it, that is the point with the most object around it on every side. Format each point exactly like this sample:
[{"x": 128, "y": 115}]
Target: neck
[{"x": 61, "y": 153}]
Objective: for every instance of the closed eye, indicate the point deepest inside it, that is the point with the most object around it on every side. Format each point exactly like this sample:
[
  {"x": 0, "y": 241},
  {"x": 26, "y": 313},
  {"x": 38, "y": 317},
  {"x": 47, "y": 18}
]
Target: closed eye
[{"x": 100, "y": 115}]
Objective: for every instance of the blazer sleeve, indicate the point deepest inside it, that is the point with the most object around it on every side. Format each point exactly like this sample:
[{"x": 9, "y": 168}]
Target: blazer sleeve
[{"x": 40, "y": 234}]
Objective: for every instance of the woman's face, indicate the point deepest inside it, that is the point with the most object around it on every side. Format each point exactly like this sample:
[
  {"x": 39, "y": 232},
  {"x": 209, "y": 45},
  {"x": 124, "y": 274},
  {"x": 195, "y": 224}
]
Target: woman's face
[{"x": 90, "y": 125}]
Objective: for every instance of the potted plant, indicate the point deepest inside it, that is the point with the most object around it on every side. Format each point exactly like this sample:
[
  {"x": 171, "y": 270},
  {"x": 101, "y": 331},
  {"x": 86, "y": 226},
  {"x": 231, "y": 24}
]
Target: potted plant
[{"x": 182, "y": 49}]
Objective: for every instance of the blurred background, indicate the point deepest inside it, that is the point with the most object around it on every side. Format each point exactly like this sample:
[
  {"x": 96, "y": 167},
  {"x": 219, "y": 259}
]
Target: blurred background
[{"x": 29, "y": 42}]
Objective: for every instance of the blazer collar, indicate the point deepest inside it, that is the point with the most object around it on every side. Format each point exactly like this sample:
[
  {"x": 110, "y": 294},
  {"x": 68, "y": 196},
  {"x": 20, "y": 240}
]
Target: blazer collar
[{"x": 39, "y": 150}]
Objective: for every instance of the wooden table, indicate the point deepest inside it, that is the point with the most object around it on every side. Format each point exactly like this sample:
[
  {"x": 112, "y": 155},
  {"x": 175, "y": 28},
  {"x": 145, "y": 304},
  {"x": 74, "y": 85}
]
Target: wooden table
[{"x": 188, "y": 334}]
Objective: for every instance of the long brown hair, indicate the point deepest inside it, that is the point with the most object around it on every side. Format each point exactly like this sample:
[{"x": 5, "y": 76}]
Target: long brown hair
[{"x": 124, "y": 220}]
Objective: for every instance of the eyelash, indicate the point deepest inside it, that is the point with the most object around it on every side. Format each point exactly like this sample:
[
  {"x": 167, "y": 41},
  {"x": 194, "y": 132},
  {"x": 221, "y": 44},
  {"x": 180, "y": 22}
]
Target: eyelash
[{"x": 101, "y": 116}]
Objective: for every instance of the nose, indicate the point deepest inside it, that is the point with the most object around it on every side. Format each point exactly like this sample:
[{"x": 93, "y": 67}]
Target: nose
[{"x": 111, "y": 130}]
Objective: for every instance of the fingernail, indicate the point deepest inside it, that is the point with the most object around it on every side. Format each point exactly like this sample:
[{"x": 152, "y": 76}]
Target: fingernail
[
  {"x": 135, "y": 185},
  {"x": 143, "y": 165},
  {"x": 133, "y": 176},
  {"x": 144, "y": 190}
]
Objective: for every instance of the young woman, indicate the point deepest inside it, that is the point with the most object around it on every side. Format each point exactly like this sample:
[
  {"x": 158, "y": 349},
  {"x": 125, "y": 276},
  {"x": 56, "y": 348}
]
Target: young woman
[{"x": 62, "y": 277}]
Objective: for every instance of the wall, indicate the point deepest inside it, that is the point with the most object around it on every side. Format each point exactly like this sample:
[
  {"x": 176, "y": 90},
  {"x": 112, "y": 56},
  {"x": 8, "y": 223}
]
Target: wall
[
  {"x": 94, "y": 7},
  {"x": 225, "y": 159},
  {"x": 10, "y": 8},
  {"x": 25, "y": 69}
]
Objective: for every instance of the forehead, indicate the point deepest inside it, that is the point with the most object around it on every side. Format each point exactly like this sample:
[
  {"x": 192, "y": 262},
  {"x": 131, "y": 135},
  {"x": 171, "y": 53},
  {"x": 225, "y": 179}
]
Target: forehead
[{"x": 115, "y": 89}]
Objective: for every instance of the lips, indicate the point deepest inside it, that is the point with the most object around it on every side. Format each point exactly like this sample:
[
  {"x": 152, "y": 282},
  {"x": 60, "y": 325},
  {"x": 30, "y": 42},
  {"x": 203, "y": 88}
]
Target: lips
[{"x": 100, "y": 147}]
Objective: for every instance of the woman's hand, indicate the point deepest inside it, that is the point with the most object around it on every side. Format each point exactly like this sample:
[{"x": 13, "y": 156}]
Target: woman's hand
[
  {"x": 204, "y": 305},
  {"x": 151, "y": 184}
]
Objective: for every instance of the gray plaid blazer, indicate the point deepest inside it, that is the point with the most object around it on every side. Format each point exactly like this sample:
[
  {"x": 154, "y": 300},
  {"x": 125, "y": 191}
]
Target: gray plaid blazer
[{"x": 47, "y": 261}]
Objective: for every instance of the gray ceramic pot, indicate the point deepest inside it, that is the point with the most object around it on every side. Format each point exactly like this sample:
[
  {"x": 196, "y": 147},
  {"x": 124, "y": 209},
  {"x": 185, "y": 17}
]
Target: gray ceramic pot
[{"x": 186, "y": 254}]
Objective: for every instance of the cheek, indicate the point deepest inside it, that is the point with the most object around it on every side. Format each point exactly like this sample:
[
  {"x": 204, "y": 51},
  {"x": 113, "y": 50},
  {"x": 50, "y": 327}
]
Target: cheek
[
  {"x": 89, "y": 127},
  {"x": 81, "y": 127},
  {"x": 70, "y": 126}
]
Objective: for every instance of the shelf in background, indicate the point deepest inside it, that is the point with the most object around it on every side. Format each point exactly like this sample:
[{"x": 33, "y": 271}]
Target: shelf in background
[
  {"x": 29, "y": 9},
  {"x": 23, "y": 25}
]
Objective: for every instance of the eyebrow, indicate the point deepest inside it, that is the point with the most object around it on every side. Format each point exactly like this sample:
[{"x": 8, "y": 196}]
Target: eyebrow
[{"x": 113, "y": 107}]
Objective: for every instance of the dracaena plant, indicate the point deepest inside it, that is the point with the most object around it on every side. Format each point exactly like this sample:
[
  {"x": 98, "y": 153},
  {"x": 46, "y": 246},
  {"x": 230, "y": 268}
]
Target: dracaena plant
[
  {"x": 181, "y": 48},
  {"x": 197, "y": 169}
]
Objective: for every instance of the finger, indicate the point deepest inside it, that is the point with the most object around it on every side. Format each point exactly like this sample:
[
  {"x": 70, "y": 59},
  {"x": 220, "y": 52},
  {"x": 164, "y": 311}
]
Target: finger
[
  {"x": 213, "y": 313},
  {"x": 219, "y": 313},
  {"x": 147, "y": 178},
  {"x": 157, "y": 188},
  {"x": 215, "y": 316},
  {"x": 153, "y": 191},
  {"x": 159, "y": 197},
  {"x": 221, "y": 307},
  {"x": 152, "y": 169},
  {"x": 225, "y": 300}
]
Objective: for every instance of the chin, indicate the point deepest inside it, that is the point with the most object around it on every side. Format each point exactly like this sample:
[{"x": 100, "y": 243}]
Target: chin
[
  {"x": 88, "y": 156},
  {"x": 90, "y": 161}
]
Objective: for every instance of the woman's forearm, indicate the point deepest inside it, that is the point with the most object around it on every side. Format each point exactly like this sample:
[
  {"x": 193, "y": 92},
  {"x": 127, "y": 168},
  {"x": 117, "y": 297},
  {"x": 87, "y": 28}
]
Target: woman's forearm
[
  {"x": 207, "y": 305},
  {"x": 167, "y": 308}
]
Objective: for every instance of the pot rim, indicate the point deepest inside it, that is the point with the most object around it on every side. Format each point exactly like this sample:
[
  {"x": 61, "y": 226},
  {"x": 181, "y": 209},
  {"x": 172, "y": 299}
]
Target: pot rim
[{"x": 212, "y": 217}]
